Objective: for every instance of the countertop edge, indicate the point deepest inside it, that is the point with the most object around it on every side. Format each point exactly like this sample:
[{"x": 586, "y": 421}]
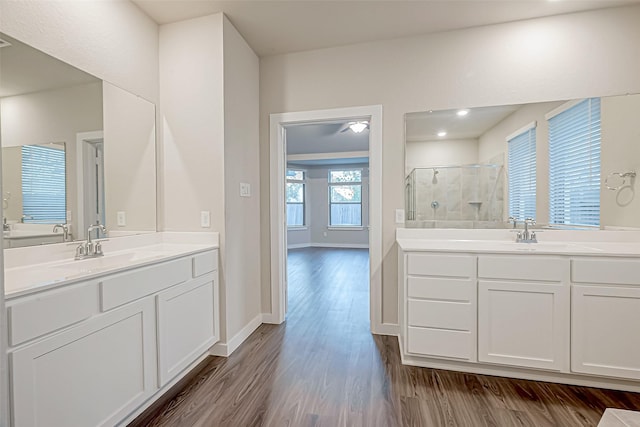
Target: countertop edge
[{"x": 36, "y": 288}]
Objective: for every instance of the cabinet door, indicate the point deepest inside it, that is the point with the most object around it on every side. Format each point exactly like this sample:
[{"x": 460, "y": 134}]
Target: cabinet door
[
  {"x": 604, "y": 334},
  {"x": 523, "y": 324},
  {"x": 90, "y": 375},
  {"x": 187, "y": 324}
]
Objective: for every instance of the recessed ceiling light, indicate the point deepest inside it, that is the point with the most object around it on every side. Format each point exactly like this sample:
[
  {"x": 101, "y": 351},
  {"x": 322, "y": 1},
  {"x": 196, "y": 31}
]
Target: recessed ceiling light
[
  {"x": 462, "y": 113},
  {"x": 442, "y": 133}
]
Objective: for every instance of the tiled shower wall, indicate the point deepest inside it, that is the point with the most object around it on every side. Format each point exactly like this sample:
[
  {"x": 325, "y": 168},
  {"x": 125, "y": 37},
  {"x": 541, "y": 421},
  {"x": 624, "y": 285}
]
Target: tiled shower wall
[{"x": 458, "y": 197}]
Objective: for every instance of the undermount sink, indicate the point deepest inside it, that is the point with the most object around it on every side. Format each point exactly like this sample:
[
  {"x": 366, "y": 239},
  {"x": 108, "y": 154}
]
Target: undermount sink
[{"x": 108, "y": 261}]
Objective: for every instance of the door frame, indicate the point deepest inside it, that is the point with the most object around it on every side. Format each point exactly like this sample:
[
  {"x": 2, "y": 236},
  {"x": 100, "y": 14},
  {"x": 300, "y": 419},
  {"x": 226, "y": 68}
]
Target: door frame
[
  {"x": 278, "y": 229},
  {"x": 79, "y": 220}
]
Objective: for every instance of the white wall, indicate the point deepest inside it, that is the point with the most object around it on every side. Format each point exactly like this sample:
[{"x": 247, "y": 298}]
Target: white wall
[
  {"x": 112, "y": 39},
  {"x": 241, "y": 164},
  {"x": 209, "y": 103},
  {"x": 452, "y": 152},
  {"x": 621, "y": 133},
  {"x": 192, "y": 114},
  {"x": 481, "y": 66},
  {"x": 129, "y": 160}
]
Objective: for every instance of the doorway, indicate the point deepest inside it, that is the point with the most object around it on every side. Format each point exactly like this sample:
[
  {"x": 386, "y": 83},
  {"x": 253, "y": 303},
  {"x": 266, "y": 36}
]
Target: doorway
[
  {"x": 278, "y": 125},
  {"x": 327, "y": 216},
  {"x": 90, "y": 179}
]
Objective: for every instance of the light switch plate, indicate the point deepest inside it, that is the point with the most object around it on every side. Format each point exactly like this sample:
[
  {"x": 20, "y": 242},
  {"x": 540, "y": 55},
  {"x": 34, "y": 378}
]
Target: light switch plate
[
  {"x": 121, "y": 218},
  {"x": 205, "y": 219},
  {"x": 399, "y": 216},
  {"x": 245, "y": 189}
]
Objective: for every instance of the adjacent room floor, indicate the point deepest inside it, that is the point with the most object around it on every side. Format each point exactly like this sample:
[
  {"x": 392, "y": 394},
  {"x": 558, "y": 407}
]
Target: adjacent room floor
[{"x": 322, "y": 367}]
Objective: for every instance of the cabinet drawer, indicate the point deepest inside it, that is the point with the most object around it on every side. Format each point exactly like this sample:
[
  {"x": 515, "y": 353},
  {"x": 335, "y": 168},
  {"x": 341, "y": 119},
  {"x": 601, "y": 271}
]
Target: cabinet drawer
[
  {"x": 51, "y": 311},
  {"x": 441, "y": 314},
  {"x": 613, "y": 271},
  {"x": 441, "y": 265},
  {"x": 205, "y": 263},
  {"x": 440, "y": 343},
  {"x": 130, "y": 286},
  {"x": 441, "y": 288},
  {"x": 522, "y": 267}
]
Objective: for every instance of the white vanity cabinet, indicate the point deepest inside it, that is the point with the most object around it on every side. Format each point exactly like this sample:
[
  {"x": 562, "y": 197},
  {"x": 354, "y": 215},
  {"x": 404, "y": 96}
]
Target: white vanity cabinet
[
  {"x": 92, "y": 353},
  {"x": 187, "y": 325},
  {"x": 605, "y": 310},
  {"x": 440, "y": 308},
  {"x": 523, "y": 311},
  {"x": 89, "y": 375}
]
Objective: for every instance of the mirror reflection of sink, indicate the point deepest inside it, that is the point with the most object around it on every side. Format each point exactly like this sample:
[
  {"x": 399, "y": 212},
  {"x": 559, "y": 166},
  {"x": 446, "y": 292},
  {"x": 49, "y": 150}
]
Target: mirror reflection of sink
[{"x": 108, "y": 261}]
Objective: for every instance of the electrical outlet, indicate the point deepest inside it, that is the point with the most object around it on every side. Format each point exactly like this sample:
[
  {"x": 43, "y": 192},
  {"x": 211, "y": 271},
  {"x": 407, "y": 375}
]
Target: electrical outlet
[
  {"x": 245, "y": 189},
  {"x": 121, "y": 218},
  {"x": 399, "y": 216},
  {"x": 205, "y": 219}
]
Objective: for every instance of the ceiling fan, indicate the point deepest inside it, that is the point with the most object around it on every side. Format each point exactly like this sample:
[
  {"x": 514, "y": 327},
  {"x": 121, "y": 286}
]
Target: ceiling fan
[{"x": 356, "y": 127}]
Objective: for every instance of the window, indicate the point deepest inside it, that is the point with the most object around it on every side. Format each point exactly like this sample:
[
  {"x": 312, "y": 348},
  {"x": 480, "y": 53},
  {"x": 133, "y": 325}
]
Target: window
[
  {"x": 295, "y": 197},
  {"x": 345, "y": 198},
  {"x": 43, "y": 184},
  {"x": 574, "y": 164},
  {"x": 522, "y": 173}
]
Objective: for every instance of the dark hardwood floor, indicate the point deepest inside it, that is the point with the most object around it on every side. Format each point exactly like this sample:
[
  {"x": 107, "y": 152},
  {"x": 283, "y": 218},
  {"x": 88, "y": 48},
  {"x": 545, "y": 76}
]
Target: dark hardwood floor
[{"x": 322, "y": 367}]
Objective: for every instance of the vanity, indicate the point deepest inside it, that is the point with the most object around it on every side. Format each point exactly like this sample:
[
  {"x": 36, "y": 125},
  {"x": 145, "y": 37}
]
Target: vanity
[
  {"x": 564, "y": 310},
  {"x": 95, "y": 341}
]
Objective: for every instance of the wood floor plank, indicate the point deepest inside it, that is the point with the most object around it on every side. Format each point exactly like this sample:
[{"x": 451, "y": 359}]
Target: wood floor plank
[{"x": 323, "y": 367}]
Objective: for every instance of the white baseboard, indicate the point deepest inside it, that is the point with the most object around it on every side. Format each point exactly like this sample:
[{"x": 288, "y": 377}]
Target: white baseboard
[
  {"x": 226, "y": 349},
  {"x": 392, "y": 329},
  {"x": 341, "y": 245},
  {"x": 298, "y": 245},
  {"x": 270, "y": 318}
]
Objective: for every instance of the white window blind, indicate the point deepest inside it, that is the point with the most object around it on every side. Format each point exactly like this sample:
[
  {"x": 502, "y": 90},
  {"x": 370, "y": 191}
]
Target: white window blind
[
  {"x": 43, "y": 185},
  {"x": 522, "y": 174},
  {"x": 345, "y": 198},
  {"x": 574, "y": 165},
  {"x": 295, "y": 194}
]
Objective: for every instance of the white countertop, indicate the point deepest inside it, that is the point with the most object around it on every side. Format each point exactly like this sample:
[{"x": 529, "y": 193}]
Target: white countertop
[
  {"x": 24, "y": 278},
  {"x": 577, "y": 243}
]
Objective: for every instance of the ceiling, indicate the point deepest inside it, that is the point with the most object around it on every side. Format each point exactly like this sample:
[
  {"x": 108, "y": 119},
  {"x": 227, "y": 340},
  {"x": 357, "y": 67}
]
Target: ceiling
[
  {"x": 327, "y": 137},
  {"x": 424, "y": 126},
  {"x": 276, "y": 27},
  {"x": 27, "y": 70}
]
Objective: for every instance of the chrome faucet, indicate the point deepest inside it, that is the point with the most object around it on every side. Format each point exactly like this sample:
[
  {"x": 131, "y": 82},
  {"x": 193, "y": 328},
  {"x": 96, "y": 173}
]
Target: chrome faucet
[
  {"x": 89, "y": 249},
  {"x": 65, "y": 231},
  {"x": 5, "y": 226},
  {"x": 525, "y": 236}
]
